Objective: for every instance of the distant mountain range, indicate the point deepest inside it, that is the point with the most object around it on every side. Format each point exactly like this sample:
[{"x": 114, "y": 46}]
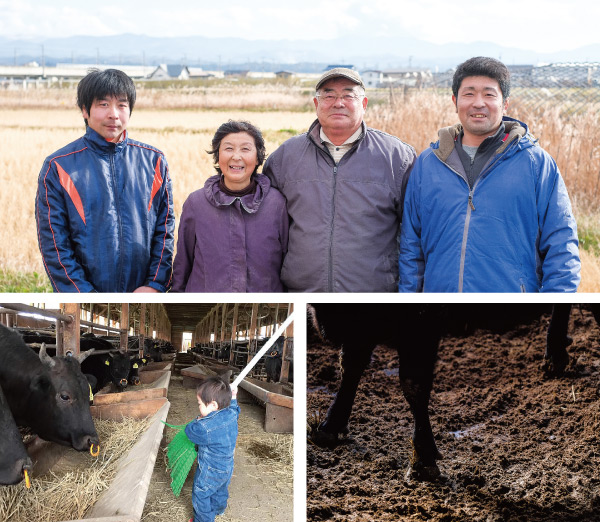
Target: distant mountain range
[{"x": 271, "y": 55}]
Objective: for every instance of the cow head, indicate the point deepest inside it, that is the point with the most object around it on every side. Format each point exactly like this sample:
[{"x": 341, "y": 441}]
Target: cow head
[
  {"x": 119, "y": 366},
  {"x": 59, "y": 402}
]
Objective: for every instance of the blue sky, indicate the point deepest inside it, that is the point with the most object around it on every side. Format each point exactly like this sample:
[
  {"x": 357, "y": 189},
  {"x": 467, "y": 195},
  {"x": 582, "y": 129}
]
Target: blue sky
[{"x": 539, "y": 25}]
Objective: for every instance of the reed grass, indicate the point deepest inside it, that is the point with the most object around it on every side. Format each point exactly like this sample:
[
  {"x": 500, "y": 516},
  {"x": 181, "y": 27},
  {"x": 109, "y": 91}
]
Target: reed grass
[{"x": 181, "y": 122}]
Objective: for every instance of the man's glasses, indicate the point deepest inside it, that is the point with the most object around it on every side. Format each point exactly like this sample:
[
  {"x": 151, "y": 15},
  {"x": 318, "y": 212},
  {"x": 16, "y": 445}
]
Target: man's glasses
[{"x": 330, "y": 98}]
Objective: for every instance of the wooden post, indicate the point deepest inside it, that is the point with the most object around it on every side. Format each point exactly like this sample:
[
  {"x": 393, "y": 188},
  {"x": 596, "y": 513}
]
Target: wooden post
[
  {"x": 142, "y": 335},
  {"x": 234, "y": 326},
  {"x": 71, "y": 331},
  {"x": 288, "y": 349},
  {"x": 253, "y": 342},
  {"x": 124, "y": 327}
]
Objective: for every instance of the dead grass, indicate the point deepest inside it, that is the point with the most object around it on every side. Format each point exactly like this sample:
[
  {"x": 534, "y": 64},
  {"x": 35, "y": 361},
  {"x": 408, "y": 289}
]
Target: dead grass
[
  {"x": 246, "y": 96},
  {"x": 47, "y": 120},
  {"x": 68, "y": 491}
]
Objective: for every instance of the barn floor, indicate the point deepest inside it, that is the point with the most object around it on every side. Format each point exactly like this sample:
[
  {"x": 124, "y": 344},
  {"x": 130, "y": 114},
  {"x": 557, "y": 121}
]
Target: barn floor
[
  {"x": 261, "y": 486},
  {"x": 515, "y": 446}
]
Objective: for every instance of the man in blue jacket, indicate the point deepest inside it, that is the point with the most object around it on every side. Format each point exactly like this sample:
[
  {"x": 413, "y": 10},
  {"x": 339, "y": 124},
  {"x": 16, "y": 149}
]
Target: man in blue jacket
[
  {"x": 104, "y": 205},
  {"x": 486, "y": 209}
]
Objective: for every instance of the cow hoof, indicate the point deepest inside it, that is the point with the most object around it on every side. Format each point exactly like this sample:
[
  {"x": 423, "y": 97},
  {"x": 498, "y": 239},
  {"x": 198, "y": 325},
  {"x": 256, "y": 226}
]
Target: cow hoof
[
  {"x": 556, "y": 364},
  {"x": 421, "y": 473},
  {"x": 326, "y": 439}
]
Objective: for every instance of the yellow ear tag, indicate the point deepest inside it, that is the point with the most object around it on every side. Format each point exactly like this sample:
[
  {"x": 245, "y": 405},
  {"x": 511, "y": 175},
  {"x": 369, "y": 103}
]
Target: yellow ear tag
[
  {"x": 135, "y": 365},
  {"x": 91, "y": 394},
  {"x": 27, "y": 481},
  {"x": 107, "y": 362}
]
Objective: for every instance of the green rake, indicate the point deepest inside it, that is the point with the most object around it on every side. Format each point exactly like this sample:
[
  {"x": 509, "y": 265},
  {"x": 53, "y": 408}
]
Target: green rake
[
  {"x": 181, "y": 454},
  {"x": 181, "y": 451}
]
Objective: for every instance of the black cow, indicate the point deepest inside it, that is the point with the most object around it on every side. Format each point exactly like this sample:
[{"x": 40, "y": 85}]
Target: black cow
[
  {"x": 153, "y": 350},
  {"x": 13, "y": 456},
  {"x": 415, "y": 331},
  {"x": 273, "y": 360},
  {"x": 112, "y": 367},
  {"x": 50, "y": 395}
]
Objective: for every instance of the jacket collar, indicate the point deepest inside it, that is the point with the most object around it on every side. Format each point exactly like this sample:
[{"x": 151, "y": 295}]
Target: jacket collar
[
  {"x": 448, "y": 135},
  {"x": 100, "y": 145},
  {"x": 314, "y": 133},
  {"x": 250, "y": 202}
]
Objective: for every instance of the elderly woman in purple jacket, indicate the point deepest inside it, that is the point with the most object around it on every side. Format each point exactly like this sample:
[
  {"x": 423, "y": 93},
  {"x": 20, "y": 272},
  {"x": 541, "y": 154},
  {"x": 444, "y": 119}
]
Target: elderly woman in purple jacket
[{"x": 233, "y": 233}]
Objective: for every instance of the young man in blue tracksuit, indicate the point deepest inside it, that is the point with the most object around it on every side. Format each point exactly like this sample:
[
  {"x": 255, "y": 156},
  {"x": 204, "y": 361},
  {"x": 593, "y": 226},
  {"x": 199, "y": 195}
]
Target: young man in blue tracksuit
[
  {"x": 486, "y": 209},
  {"x": 104, "y": 205},
  {"x": 215, "y": 433}
]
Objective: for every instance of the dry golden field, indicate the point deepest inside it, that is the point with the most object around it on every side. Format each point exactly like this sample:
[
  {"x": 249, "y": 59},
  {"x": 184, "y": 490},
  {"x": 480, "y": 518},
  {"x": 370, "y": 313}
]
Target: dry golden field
[{"x": 181, "y": 123}]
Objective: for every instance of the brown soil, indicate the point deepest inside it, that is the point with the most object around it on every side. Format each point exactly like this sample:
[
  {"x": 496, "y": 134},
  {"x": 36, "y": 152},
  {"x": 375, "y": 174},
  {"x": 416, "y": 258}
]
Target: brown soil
[
  {"x": 516, "y": 446},
  {"x": 261, "y": 486}
]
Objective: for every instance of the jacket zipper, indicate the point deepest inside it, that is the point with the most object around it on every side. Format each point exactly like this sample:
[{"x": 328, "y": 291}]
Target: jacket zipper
[
  {"x": 471, "y": 208},
  {"x": 326, "y": 152},
  {"x": 330, "y": 282},
  {"x": 117, "y": 204}
]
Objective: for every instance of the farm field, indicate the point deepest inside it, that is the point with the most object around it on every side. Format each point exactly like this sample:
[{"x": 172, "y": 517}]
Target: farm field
[
  {"x": 516, "y": 446},
  {"x": 181, "y": 122}
]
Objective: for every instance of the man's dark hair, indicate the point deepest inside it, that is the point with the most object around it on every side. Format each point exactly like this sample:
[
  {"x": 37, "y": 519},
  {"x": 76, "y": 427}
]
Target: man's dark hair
[
  {"x": 214, "y": 389},
  {"x": 233, "y": 127},
  {"x": 482, "y": 66},
  {"x": 96, "y": 85}
]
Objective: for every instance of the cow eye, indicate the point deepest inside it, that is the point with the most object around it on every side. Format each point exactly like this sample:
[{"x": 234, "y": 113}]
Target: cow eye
[{"x": 65, "y": 396}]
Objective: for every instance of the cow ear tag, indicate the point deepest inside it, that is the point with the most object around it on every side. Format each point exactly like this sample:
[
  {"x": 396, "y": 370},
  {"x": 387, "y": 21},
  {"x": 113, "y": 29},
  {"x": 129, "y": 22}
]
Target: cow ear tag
[
  {"x": 107, "y": 362},
  {"x": 135, "y": 365}
]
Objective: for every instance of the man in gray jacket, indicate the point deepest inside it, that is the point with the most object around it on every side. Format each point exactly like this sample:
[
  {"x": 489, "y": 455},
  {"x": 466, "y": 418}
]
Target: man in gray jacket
[{"x": 344, "y": 185}]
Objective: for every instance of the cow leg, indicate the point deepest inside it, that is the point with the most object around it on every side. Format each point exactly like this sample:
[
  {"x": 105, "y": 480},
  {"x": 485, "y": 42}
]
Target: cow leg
[
  {"x": 354, "y": 359},
  {"x": 596, "y": 311},
  {"x": 556, "y": 357},
  {"x": 417, "y": 391}
]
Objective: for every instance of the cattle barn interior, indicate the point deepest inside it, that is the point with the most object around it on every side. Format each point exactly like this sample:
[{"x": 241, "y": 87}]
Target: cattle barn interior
[{"x": 186, "y": 343}]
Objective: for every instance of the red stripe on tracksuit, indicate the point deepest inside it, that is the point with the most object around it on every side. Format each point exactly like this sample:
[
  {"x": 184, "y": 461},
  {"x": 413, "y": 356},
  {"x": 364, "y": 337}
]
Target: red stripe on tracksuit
[
  {"x": 67, "y": 183},
  {"x": 50, "y": 221}
]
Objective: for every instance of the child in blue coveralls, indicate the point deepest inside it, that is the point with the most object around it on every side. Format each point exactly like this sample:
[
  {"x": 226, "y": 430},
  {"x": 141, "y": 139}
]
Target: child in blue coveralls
[{"x": 215, "y": 432}]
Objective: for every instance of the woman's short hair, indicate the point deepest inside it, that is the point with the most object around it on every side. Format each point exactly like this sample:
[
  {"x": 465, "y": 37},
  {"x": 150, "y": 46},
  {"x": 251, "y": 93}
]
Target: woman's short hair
[
  {"x": 97, "y": 85},
  {"x": 214, "y": 389},
  {"x": 233, "y": 127}
]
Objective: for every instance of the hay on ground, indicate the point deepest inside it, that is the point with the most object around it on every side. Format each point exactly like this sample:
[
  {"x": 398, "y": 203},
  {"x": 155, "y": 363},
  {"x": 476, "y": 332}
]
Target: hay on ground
[{"x": 78, "y": 480}]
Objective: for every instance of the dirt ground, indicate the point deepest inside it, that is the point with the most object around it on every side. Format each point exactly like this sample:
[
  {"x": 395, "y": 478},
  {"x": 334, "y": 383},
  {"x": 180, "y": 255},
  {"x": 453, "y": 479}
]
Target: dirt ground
[
  {"x": 516, "y": 446},
  {"x": 261, "y": 486}
]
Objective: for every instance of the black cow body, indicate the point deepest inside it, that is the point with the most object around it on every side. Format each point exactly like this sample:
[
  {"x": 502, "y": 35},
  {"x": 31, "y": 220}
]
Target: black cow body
[
  {"x": 415, "y": 331},
  {"x": 113, "y": 367},
  {"x": 50, "y": 395},
  {"x": 13, "y": 456}
]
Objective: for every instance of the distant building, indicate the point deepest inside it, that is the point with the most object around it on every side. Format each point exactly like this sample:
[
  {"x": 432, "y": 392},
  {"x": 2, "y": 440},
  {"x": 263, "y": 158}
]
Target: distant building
[
  {"x": 170, "y": 72},
  {"x": 585, "y": 74},
  {"x": 284, "y": 74},
  {"x": 411, "y": 77},
  {"x": 521, "y": 75},
  {"x": 372, "y": 78},
  {"x": 237, "y": 73}
]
